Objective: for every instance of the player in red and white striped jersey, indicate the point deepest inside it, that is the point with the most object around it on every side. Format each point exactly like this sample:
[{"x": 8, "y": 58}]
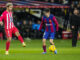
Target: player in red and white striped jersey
[{"x": 10, "y": 28}]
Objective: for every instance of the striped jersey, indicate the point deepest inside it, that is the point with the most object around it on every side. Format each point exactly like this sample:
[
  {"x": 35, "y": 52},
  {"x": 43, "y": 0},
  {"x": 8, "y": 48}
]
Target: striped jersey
[
  {"x": 50, "y": 23},
  {"x": 8, "y": 19}
]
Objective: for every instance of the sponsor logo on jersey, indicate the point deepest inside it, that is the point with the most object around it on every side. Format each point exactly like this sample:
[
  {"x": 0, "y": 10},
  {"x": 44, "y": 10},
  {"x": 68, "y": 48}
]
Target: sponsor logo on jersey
[
  {"x": 50, "y": 20},
  {"x": 48, "y": 24}
]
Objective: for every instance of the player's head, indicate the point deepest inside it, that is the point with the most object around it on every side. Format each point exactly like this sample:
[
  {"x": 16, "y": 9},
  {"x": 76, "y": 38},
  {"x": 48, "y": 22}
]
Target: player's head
[
  {"x": 9, "y": 6},
  {"x": 76, "y": 11},
  {"x": 24, "y": 22},
  {"x": 46, "y": 12}
]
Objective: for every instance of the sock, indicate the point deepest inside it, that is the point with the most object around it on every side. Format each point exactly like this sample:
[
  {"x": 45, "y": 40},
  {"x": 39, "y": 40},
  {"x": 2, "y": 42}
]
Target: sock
[
  {"x": 7, "y": 45},
  {"x": 20, "y": 39},
  {"x": 44, "y": 48}
]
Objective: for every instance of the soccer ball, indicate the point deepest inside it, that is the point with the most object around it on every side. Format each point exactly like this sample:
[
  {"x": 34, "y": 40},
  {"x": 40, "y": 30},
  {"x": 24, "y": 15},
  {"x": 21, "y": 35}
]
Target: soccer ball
[{"x": 52, "y": 48}]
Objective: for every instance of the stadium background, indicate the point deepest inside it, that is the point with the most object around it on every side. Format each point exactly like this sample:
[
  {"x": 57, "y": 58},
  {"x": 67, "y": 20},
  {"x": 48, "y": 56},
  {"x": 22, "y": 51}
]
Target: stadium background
[
  {"x": 27, "y": 15},
  {"x": 27, "y": 18}
]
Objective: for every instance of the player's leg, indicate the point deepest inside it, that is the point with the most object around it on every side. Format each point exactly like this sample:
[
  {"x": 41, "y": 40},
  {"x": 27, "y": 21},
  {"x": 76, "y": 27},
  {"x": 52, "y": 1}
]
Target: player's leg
[
  {"x": 16, "y": 32},
  {"x": 8, "y": 45},
  {"x": 44, "y": 45},
  {"x": 52, "y": 36},
  {"x": 51, "y": 41},
  {"x": 45, "y": 36},
  {"x": 9, "y": 37},
  {"x": 20, "y": 38}
]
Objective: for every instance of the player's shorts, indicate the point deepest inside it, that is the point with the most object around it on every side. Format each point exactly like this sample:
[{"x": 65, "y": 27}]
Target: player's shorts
[
  {"x": 9, "y": 32},
  {"x": 50, "y": 35}
]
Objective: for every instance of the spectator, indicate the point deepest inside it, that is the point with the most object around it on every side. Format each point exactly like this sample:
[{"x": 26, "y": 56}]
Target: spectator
[
  {"x": 38, "y": 32},
  {"x": 65, "y": 14},
  {"x": 24, "y": 29},
  {"x": 78, "y": 6},
  {"x": 27, "y": 29},
  {"x": 46, "y": 0},
  {"x": 52, "y": 1},
  {"x": 30, "y": 28},
  {"x": 72, "y": 8}
]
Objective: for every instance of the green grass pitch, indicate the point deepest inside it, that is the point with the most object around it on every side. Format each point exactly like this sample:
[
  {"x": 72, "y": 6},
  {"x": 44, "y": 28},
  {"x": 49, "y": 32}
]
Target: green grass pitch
[{"x": 33, "y": 51}]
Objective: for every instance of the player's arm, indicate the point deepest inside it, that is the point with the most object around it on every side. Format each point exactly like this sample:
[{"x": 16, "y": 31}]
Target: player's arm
[
  {"x": 41, "y": 25},
  {"x": 56, "y": 22},
  {"x": 1, "y": 18}
]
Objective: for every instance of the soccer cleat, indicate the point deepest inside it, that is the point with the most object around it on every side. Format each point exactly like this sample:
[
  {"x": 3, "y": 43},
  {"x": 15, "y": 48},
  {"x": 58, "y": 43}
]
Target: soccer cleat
[
  {"x": 6, "y": 53},
  {"x": 23, "y": 44},
  {"x": 55, "y": 51},
  {"x": 43, "y": 52}
]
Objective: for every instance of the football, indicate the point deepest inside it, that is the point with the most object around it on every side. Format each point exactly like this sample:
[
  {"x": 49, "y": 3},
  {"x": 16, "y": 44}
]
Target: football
[{"x": 52, "y": 48}]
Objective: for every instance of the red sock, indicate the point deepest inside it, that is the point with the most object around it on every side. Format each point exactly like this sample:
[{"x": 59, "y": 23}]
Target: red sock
[
  {"x": 7, "y": 45},
  {"x": 44, "y": 48},
  {"x": 20, "y": 39}
]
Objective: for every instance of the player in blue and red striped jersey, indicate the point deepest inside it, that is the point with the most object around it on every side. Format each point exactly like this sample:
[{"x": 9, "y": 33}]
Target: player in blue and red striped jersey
[{"x": 51, "y": 26}]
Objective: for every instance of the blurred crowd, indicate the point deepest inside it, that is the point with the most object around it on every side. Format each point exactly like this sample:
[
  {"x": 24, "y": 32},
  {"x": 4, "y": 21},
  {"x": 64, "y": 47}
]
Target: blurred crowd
[
  {"x": 52, "y": 1},
  {"x": 29, "y": 25},
  {"x": 29, "y": 29}
]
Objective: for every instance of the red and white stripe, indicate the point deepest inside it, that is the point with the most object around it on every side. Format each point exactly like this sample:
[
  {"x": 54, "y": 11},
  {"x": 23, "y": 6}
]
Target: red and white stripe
[{"x": 7, "y": 21}]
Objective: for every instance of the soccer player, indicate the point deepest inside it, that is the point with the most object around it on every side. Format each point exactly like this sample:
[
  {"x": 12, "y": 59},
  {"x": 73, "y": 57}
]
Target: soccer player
[
  {"x": 10, "y": 28},
  {"x": 50, "y": 21}
]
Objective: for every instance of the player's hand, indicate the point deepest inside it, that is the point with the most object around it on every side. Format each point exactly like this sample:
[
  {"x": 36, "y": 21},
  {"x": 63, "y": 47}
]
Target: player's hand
[
  {"x": 1, "y": 23},
  {"x": 72, "y": 27}
]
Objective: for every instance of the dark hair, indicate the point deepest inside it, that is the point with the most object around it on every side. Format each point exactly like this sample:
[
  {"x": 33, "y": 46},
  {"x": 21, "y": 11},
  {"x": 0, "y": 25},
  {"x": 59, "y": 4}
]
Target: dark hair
[
  {"x": 76, "y": 9},
  {"x": 46, "y": 10}
]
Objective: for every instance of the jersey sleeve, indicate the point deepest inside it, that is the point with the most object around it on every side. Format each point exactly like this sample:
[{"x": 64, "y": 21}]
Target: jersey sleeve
[
  {"x": 41, "y": 25},
  {"x": 1, "y": 17},
  {"x": 56, "y": 22}
]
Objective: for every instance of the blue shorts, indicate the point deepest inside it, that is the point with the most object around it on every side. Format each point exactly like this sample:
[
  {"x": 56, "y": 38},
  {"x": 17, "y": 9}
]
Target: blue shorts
[{"x": 50, "y": 35}]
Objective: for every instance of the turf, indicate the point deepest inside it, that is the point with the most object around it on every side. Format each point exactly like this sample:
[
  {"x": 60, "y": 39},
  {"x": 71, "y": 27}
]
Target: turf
[{"x": 33, "y": 50}]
